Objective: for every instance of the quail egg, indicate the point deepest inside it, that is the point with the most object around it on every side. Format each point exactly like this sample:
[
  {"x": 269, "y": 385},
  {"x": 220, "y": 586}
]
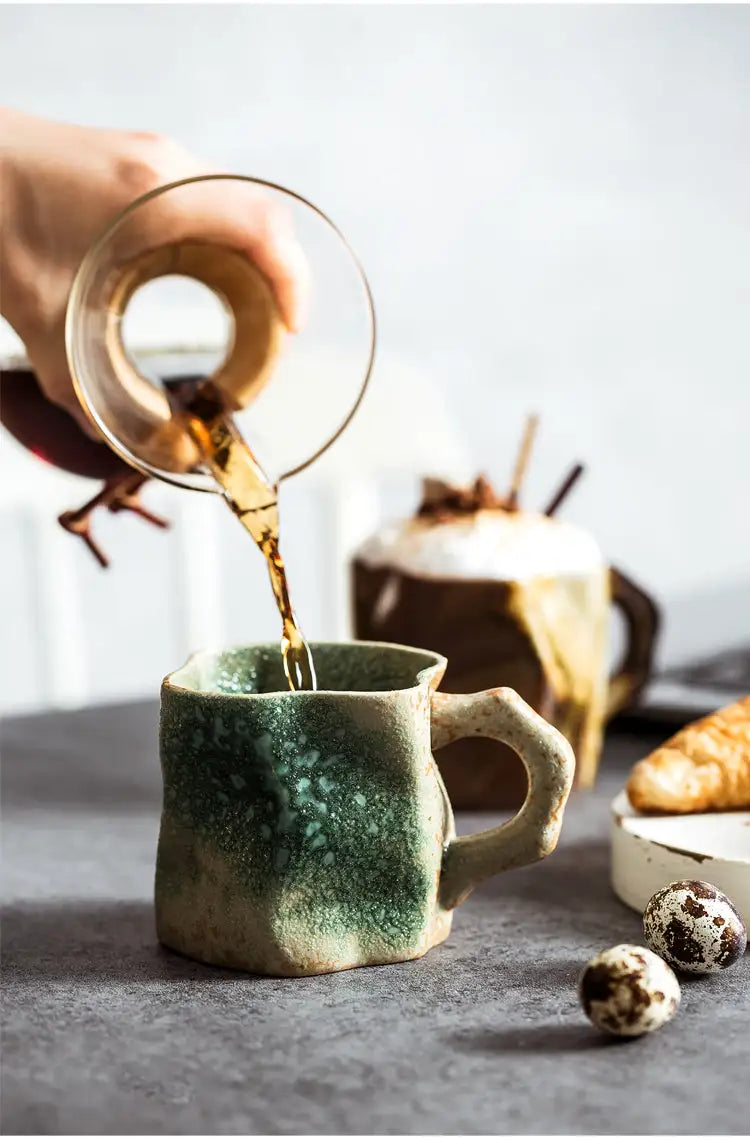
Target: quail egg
[
  {"x": 628, "y": 990},
  {"x": 694, "y": 927}
]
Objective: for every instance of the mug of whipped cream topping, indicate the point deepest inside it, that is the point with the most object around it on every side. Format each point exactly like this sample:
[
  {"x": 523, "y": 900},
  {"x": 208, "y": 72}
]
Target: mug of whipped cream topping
[{"x": 514, "y": 599}]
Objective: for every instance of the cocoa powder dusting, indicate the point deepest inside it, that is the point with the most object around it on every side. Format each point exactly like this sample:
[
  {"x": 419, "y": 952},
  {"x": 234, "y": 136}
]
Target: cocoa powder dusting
[{"x": 442, "y": 502}]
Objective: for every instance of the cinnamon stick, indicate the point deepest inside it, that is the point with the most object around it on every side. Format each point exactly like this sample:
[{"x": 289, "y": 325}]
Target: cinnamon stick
[
  {"x": 522, "y": 461},
  {"x": 567, "y": 485}
]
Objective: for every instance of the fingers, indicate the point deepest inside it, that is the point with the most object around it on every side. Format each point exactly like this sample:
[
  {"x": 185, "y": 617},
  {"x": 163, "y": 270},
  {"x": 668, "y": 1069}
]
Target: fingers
[
  {"x": 278, "y": 254},
  {"x": 51, "y": 368},
  {"x": 240, "y": 215},
  {"x": 253, "y": 219},
  {"x": 119, "y": 168}
]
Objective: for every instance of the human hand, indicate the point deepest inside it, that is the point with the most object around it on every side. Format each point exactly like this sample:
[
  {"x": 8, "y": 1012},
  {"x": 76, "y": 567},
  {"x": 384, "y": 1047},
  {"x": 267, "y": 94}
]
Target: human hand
[{"x": 61, "y": 185}]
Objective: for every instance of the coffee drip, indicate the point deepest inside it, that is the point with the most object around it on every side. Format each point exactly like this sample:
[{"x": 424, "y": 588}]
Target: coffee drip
[{"x": 253, "y": 498}]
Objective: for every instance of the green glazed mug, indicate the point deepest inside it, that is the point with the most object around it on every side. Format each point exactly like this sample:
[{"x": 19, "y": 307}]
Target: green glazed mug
[{"x": 308, "y": 832}]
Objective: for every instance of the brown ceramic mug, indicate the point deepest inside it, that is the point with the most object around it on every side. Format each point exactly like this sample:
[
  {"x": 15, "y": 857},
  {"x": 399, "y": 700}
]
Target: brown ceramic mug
[{"x": 546, "y": 635}]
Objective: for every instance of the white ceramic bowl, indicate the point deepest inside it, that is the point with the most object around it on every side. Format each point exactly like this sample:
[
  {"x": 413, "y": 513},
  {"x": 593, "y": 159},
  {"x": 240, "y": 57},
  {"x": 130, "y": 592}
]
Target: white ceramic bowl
[{"x": 649, "y": 851}]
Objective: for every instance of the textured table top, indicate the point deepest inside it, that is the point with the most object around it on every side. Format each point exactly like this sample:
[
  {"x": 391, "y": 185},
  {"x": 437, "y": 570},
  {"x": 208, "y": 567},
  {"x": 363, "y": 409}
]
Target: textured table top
[{"x": 105, "y": 1032}]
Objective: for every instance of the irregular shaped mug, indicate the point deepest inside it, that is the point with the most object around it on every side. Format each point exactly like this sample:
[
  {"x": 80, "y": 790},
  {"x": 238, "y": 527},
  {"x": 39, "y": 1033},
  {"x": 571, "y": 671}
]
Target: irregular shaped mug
[{"x": 307, "y": 832}]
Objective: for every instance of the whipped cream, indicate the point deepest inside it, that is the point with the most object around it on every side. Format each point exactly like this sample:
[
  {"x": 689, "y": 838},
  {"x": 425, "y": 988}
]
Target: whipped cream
[{"x": 487, "y": 545}]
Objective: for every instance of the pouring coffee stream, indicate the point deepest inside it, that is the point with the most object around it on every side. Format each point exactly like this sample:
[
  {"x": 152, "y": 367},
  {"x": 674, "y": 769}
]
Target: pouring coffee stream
[{"x": 253, "y": 498}]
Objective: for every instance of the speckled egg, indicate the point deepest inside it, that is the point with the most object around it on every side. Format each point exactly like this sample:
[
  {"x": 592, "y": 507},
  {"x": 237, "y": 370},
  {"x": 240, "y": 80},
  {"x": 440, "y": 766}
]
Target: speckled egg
[
  {"x": 628, "y": 990},
  {"x": 695, "y": 927}
]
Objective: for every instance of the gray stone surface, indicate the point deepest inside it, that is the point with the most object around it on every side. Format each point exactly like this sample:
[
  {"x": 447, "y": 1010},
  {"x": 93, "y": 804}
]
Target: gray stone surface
[{"x": 104, "y": 1032}]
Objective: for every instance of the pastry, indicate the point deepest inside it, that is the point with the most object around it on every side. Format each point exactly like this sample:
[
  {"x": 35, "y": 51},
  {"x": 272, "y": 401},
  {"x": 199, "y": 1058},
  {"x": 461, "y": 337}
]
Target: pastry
[{"x": 705, "y": 766}]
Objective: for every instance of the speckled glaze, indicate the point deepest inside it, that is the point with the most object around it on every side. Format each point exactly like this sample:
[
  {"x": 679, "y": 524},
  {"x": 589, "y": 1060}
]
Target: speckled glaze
[{"x": 307, "y": 832}]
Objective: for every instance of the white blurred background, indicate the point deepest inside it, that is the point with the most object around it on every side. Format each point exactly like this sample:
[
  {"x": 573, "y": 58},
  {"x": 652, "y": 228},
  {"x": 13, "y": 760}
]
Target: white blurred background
[{"x": 552, "y": 208}]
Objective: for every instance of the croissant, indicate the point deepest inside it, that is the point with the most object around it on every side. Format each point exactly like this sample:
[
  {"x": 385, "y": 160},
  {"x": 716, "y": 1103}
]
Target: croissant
[{"x": 705, "y": 766}]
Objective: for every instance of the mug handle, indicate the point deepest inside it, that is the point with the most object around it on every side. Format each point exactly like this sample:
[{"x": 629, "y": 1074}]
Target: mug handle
[
  {"x": 642, "y": 620},
  {"x": 501, "y": 714}
]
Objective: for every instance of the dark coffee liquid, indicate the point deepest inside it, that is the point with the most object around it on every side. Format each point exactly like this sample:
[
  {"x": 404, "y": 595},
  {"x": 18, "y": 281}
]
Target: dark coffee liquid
[{"x": 253, "y": 498}]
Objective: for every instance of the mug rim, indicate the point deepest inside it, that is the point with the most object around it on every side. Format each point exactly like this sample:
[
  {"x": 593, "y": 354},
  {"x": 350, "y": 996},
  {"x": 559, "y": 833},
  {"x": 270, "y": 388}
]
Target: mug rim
[{"x": 423, "y": 675}]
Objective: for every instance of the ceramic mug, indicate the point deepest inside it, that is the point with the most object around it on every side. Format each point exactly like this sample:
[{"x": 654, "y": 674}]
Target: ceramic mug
[{"x": 307, "y": 832}]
